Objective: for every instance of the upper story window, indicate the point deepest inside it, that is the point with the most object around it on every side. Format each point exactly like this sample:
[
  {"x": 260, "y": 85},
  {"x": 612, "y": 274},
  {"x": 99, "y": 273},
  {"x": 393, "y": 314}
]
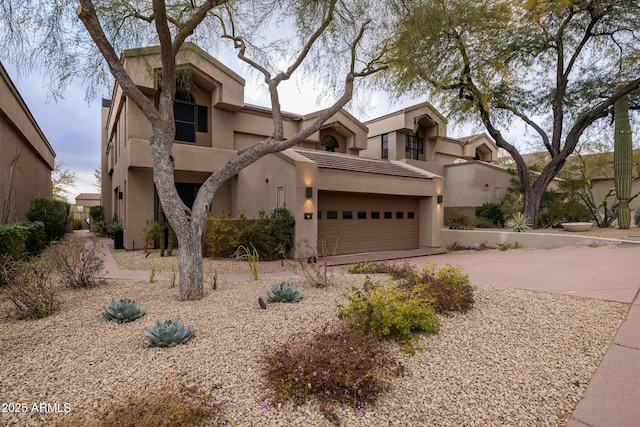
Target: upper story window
[
  {"x": 189, "y": 117},
  {"x": 414, "y": 146},
  {"x": 330, "y": 143},
  {"x": 385, "y": 146}
]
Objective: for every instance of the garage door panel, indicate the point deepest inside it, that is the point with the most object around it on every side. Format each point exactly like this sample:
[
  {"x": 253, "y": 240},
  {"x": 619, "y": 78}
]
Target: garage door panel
[{"x": 356, "y": 228}]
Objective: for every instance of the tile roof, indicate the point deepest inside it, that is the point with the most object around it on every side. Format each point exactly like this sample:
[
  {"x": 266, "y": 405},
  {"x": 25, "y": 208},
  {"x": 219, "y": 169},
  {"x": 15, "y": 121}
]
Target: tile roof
[
  {"x": 356, "y": 164},
  {"x": 89, "y": 196}
]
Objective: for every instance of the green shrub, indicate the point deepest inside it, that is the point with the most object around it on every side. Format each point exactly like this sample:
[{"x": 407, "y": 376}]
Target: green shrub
[
  {"x": 77, "y": 224},
  {"x": 77, "y": 260},
  {"x": 555, "y": 209},
  {"x": 53, "y": 213},
  {"x": 459, "y": 221},
  {"x": 636, "y": 217},
  {"x": 222, "y": 236},
  {"x": 151, "y": 232},
  {"x": 271, "y": 235},
  {"x": 13, "y": 241},
  {"x": 491, "y": 212},
  {"x": 97, "y": 224},
  {"x": 36, "y": 239},
  {"x": 346, "y": 367},
  {"x": 29, "y": 286},
  {"x": 482, "y": 222},
  {"x": 388, "y": 311},
  {"x": 446, "y": 287}
]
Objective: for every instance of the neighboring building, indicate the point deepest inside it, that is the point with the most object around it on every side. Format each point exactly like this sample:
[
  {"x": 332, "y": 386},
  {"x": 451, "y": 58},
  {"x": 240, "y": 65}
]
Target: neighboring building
[
  {"x": 369, "y": 187},
  {"x": 27, "y": 159},
  {"x": 86, "y": 200}
]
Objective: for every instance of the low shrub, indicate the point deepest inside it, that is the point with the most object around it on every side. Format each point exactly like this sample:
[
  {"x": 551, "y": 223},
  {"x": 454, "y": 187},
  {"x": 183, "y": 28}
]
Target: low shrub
[
  {"x": 53, "y": 213},
  {"x": 271, "y": 235},
  {"x": 77, "y": 260},
  {"x": 151, "y": 232},
  {"x": 491, "y": 213},
  {"x": 29, "y": 286},
  {"x": 346, "y": 366},
  {"x": 222, "y": 236},
  {"x": 13, "y": 241},
  {"x": 636, "y": 217},
  {"x": 447, "y": 288},
  {"x": 482, "y": 222},
  {"x": 314, "y": 265},
  {"x": 388, "y": 311},
  {"x": 167, "y": 406},
  {"x": 36, "y": 239},
  {"x": 383, "y": 267},
  {"x": 77, "y": 224},
  {"x": 459, "y": 221}
]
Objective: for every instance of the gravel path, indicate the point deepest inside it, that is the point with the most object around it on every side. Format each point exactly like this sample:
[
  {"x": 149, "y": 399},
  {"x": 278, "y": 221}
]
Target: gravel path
[{"x": 519, "y": 358}]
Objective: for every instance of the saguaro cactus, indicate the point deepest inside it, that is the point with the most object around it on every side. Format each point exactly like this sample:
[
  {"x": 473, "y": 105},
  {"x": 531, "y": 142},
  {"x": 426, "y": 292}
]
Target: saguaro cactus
[{"x": 622, "y": 159}]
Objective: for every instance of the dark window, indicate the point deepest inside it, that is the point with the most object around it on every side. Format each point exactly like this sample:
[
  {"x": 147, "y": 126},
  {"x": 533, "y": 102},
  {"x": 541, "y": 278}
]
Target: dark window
[
  {"x": 411, "y": 215},
  {"x": 399, "y": 215},
  {"x": 332, "y": 214},
  {"x": 347, "y": 215},
  {"x": 189, "y": 117},
  {"x": 385, "y": 146},
  {"x": 414, "y": 146},
  {"x": 319, "y": 214},
  {"x": 388, "y": 215},
  {"x": 375, "y": 215},
  {"x": 330, "y": 143},
  {"x": 362, "y": 215}
]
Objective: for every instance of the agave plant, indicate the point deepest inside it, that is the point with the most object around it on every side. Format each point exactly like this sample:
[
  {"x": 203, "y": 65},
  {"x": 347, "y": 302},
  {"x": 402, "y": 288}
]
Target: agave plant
[
  {"x": 168, "y": 333},
  {"x": 122, "y": 311},
  {"x": 519, "y": 222},
  {"x": 284, "y": 292}
]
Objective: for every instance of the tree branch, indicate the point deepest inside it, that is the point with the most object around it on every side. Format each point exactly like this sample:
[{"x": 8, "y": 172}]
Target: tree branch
[{"x": 87, "y": 15}]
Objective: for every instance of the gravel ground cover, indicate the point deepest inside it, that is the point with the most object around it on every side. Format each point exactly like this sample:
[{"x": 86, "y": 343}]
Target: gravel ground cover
[{"x": 519, "y": 358}]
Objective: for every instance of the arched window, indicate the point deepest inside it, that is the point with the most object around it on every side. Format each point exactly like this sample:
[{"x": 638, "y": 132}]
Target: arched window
[
  {"x": 330, "y": 143},
  {"x": 189, "y": 117}
]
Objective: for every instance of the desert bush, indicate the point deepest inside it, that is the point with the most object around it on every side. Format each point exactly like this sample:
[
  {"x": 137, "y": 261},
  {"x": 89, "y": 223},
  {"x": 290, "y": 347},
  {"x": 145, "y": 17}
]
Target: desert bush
[
  {"x": 97, "y": 223},
  {"x": 446, "y": 287},
  {"x": 491, "y": 212},
  {"x": 77, "y": 224},
  {"x": 222, "y": 236},
  {"x": 36, "y": 239},
  {"x": 52, "y": 213},
  {"x": 346, "y": 366},
  {"x": 29, "y": 286},
  {"x": 383, "y": 267},
  {"x": 482, "y": 222},
  {"x": 12, "y": 241},
  {"x": 315, "y": 267},
  {"x": 458, "y": 220},
  {"x": 150, "y": 231},
  {"x": 556, "y": 208},
  {"x": 388, "y": 311},
  {"x": 271, "y": 235},
  {"x": 77, "y": 260},
  {"x": 167, "y": 406}
]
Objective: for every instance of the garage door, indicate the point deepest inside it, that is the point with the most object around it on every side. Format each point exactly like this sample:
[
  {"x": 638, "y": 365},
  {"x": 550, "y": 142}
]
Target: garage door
[{"x": 365, "y": 223}]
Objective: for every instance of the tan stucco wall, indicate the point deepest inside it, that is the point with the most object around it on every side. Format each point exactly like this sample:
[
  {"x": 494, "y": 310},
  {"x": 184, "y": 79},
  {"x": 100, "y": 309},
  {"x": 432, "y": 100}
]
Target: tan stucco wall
[
  {"x": 20, "y": 134},
  {"x": 602, "y": 186},
  {"x": 473, "y": 183}
]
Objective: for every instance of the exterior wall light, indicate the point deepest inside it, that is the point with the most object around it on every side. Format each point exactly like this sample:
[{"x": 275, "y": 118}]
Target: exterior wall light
[
  {"x": 309, "y": 192},
  {"x": 439, "y": 199}
]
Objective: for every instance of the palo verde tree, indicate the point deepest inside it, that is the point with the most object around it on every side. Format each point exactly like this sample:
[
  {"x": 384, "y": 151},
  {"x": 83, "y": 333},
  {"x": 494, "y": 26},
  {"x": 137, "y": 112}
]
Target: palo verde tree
[
  {"x": 316, "y": 27},
  {"x": 550, "y": 66}
]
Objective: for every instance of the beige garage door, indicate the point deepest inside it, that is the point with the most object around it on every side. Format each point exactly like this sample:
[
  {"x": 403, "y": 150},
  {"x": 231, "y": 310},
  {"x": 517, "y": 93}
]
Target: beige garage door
[{"x": 365, "y": 223}]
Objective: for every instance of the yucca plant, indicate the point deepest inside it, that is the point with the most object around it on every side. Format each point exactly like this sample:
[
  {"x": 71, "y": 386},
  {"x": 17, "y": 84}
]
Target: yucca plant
[
  {"x": 284, "y": 292},
  {"x": 122, "y": 311},
  {"x": 168, "y": 333},
  {"x": 519, "y": 223}
]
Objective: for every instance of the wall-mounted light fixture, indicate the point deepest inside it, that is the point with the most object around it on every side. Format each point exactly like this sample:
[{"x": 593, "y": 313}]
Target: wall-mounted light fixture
[
  {"x": 309, "y": 192},
  {"x": 439, "y": 199},
  {"x": 120, "y": 195}
]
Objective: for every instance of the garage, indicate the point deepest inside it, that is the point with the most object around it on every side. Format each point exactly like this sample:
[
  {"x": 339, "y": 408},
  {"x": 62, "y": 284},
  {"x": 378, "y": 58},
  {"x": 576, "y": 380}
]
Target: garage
[{"x": 360, "y": 223}]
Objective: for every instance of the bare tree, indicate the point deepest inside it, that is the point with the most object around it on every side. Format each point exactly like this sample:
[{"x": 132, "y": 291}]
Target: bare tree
[
  {"x": 7, "y": 187},
  {"x": 63, "y": 180}
]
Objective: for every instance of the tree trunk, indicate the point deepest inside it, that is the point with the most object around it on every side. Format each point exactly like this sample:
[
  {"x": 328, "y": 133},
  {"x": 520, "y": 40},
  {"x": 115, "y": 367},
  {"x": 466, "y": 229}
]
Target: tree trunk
[
  {"x": 190, "y": 267},
  {"x": 532, "y": 199}
]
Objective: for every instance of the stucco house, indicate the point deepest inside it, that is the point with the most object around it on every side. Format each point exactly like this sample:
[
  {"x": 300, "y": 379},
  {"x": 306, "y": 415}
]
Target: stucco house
[
  {"x": 372, "y": 186},
  {"x": 27, "y": 158}
]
